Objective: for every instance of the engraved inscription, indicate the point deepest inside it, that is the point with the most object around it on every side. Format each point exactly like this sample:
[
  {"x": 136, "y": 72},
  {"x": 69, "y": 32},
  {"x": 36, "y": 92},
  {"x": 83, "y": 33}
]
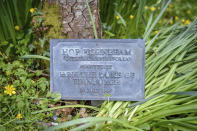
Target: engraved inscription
[
  {"x": 104, "y": 76},
  {"x": 103, "y": 54},
  {"x": 97, "y": 51},
  {"x": 96, "y": 78},
  {"x": 96, "y": 67}
]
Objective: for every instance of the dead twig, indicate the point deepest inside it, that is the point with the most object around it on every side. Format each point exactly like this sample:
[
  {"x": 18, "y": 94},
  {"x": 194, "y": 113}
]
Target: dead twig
[{"x": 32, "y": 71}]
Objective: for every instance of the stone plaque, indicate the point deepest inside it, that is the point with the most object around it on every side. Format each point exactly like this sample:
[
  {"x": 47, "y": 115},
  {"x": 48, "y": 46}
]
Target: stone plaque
[{"x": 111, "y": 69}]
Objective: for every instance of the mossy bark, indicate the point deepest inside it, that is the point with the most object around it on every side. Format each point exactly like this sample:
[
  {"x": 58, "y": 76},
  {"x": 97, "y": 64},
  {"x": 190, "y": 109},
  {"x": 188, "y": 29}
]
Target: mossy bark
[{"x": 75, "y": 18}]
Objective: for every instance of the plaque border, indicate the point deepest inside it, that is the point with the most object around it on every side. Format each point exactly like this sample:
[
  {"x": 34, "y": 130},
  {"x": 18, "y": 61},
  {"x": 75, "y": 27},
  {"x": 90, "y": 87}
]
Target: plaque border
[{"x": 140, "y": 43}]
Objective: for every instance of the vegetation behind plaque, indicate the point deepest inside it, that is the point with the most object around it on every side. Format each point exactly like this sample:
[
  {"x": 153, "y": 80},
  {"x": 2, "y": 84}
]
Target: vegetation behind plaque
[{"x": 171, "y": 68}]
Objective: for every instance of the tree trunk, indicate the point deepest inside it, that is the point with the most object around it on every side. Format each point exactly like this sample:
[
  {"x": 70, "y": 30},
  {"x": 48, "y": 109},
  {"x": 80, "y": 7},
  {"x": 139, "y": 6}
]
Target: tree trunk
[
  {"x": 75, "y": 18},
  {"x": 76, "y": 22}
]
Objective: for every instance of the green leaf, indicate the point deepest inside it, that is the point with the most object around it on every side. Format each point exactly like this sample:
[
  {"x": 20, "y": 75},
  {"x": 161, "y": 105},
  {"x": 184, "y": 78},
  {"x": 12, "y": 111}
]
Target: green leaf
[
  {"x": 38, "y": 73},
  {"x": 187, "y": 93},
  {"x": 92, "y": 20},
  {"x": 35, "y": 57},
  {"x": 90, "y": 120},
  {"x": 56, "y": 96},
  {"x": 20, "y": 104}
]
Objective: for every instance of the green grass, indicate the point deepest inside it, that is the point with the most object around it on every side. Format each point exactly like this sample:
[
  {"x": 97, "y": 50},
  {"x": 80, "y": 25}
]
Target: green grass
[
  {"x": 170, "y": 83},
  {"x": 15, "y": 13}
]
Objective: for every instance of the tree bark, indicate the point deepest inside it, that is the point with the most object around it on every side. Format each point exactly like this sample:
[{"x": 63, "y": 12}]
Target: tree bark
[{"x": 75, "y": 18}]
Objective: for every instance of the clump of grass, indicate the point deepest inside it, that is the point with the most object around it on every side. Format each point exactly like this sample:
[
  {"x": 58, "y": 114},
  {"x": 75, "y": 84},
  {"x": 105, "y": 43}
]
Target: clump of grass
[
  {"x": 171, "y": 81},
  {"x": 15, "y": 17}
]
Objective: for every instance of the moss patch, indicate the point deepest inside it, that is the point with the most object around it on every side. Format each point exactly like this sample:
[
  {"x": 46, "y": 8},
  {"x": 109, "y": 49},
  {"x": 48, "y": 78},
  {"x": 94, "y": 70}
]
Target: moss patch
[{"x": 51, "y": 16}]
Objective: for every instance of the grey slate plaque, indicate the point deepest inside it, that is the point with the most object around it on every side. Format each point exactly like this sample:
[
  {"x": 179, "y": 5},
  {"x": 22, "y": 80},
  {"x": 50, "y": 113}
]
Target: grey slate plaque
[{"x": 84, "y": 69}]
